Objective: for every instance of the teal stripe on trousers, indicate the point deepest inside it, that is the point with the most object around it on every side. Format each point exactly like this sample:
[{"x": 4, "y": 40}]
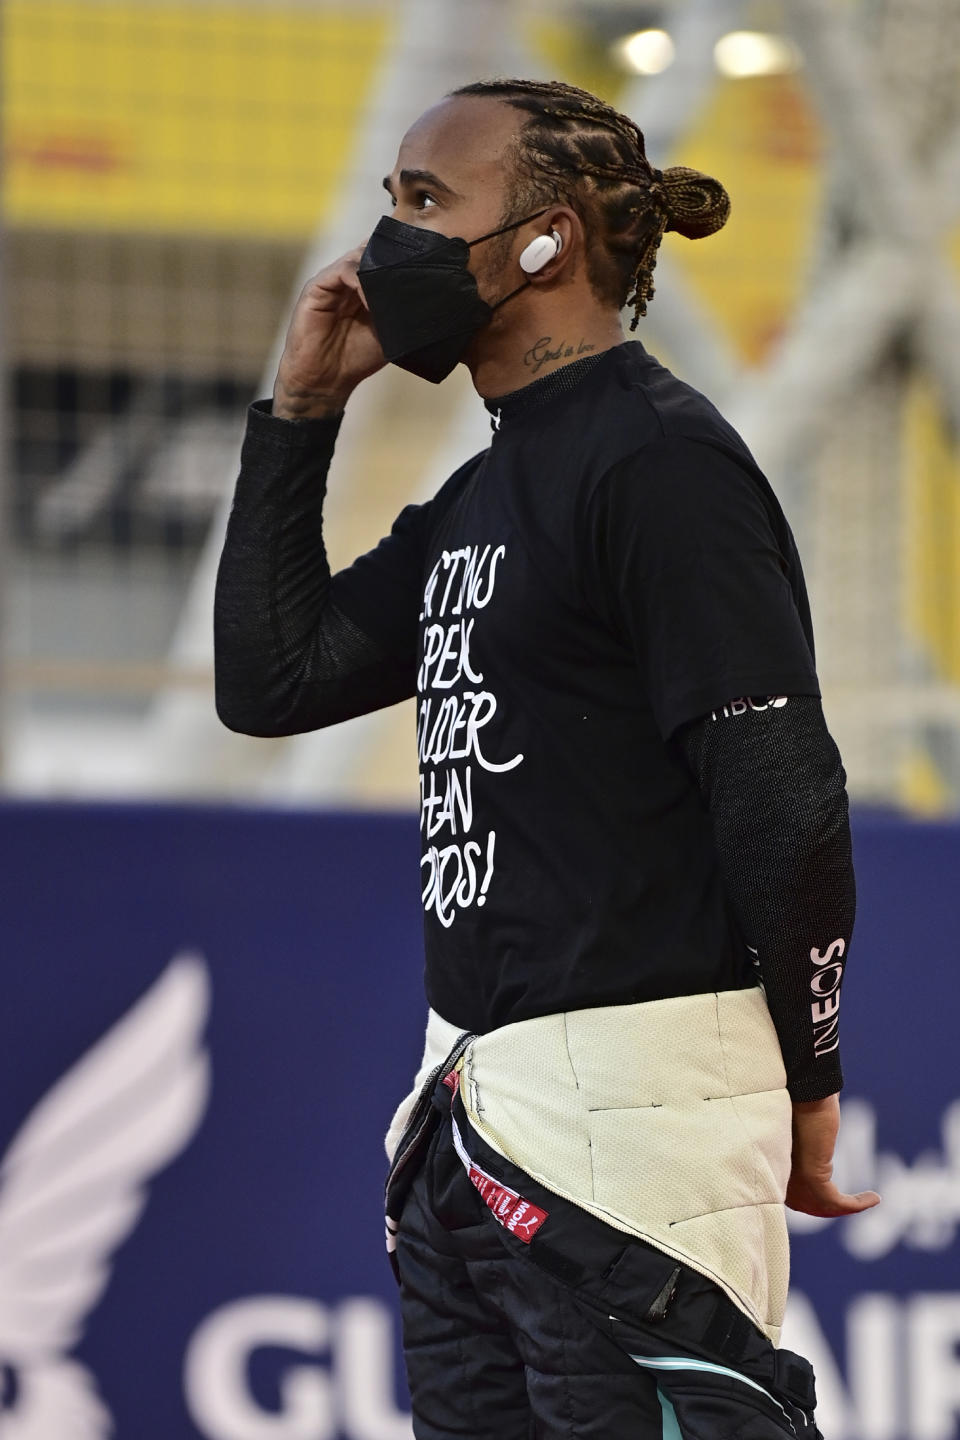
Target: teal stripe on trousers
[{"x": 671, "y": 1428}]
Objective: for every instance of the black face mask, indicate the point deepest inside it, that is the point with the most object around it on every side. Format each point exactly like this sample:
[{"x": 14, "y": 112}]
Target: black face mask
[{"x": 423, "y": 300}]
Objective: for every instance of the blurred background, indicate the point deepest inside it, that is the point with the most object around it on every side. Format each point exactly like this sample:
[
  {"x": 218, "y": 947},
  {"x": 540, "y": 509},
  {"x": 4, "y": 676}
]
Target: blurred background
[{"x": 173, "y": 170}]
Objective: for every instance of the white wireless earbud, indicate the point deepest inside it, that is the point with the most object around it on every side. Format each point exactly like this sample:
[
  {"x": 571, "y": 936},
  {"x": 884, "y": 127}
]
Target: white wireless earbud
[{"x": 539, "y": 252}]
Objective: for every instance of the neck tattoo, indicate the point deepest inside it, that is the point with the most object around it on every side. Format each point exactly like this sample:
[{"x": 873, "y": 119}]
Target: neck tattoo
[{"x": 544, "y": 350}]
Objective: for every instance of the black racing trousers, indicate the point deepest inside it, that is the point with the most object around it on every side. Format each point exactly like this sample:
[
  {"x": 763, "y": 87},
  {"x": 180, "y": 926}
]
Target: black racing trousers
[{"x": 563, "y": 1328}]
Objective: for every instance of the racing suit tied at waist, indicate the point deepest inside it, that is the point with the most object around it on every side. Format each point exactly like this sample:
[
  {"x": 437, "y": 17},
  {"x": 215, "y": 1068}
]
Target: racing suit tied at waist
[{"x": 669, "y": 1120}]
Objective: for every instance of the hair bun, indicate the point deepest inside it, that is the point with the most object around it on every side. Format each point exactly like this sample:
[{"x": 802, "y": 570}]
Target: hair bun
[{"x": 694, "y": 204}]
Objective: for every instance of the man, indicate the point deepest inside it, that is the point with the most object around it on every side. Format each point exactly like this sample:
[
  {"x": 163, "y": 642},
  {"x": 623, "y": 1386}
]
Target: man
[{"x": 637, "y": 880}]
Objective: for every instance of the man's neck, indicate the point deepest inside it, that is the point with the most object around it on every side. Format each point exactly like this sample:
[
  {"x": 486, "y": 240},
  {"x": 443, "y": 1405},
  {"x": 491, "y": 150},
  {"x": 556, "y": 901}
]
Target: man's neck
[{"x": 520, "y": 356}]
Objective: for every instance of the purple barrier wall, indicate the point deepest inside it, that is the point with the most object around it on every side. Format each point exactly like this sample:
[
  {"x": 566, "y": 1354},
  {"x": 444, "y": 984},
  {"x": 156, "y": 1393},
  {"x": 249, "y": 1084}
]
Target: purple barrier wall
[{"x": 207, "y": 1016}]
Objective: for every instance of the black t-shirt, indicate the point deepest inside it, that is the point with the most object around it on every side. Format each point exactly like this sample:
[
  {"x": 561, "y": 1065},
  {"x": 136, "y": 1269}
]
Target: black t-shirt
[{"x": 613, "y": 566}]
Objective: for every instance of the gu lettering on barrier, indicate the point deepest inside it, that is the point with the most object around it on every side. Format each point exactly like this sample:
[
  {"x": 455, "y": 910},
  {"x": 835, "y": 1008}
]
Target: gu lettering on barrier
[
  {"x": 340, "y": 1386},
  {"x": 454, "y": 707}
]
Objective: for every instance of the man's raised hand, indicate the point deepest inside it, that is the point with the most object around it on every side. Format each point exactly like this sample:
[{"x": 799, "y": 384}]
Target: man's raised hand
[{"x": 330, "y": 346}]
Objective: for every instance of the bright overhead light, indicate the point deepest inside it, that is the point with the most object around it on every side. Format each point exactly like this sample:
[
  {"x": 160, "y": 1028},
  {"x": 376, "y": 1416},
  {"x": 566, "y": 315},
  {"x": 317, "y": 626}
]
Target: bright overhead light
[
  {"x": 752, "y": 52},
  {"x": 646, "y": 52}
]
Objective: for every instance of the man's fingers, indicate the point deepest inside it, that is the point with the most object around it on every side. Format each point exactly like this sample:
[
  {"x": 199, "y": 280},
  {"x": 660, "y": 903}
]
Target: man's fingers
[
  {"x": 352, "y": 280},
  {"x": 353, "y": 260},
  {"x": 852, "y": 1204},
  {"x": 342, "y": 274},
  {"x": 827, "y": 1202}
]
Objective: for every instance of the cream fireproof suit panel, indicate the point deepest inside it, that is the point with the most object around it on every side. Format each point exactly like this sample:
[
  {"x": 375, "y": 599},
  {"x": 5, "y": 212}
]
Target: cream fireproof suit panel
[{"x": 669, "y": 1120}]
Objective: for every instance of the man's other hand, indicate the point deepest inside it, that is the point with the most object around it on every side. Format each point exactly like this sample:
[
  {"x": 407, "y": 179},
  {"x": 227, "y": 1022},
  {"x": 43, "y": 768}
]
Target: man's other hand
[{"x": 810, "y": 1188}]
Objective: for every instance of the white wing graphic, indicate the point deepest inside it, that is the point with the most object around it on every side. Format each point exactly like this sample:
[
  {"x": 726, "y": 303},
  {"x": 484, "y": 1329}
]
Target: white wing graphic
[{"x": 72, "y": 1183}]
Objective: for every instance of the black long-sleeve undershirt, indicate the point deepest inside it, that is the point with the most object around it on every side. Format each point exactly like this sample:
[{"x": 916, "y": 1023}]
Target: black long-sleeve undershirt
[
  {"x": 288, "y": 659},
  {"x": 773, "y": 784}
]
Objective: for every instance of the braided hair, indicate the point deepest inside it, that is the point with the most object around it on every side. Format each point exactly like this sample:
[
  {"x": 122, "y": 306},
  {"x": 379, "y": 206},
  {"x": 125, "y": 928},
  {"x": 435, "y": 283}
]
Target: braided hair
[{"x": 577, "y": 149}]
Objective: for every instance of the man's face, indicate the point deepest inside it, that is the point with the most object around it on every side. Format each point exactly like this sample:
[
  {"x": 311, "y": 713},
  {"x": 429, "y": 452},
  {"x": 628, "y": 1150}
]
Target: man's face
[{"x": 452, "y": 175}]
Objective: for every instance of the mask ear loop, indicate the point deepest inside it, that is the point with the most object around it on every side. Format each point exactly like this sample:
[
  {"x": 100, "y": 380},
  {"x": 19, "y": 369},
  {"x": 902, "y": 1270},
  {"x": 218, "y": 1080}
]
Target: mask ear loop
[
  {"x": 510, "y": 296},
  {"x": 505, "y": 229}
]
